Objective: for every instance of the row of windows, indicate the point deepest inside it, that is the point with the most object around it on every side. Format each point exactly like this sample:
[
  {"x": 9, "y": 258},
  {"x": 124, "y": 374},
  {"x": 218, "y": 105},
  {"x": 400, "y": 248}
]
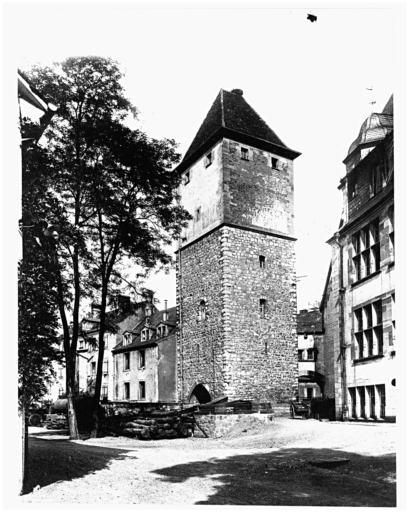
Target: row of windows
[
  {"x": 141, "y": 389},
  {"x": 141, "y": 360},
  {"x": 368, "y": 329},
  {"x": 244, "y": 155},
  {"x": 366, "y": 247},
  {"x": 307, "y": 355},
  {"x": 367, "y": 401}
]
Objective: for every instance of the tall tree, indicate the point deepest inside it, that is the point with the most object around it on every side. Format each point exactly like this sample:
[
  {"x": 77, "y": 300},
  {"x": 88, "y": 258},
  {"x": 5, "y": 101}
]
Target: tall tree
[{"x": 115, "y": 187}]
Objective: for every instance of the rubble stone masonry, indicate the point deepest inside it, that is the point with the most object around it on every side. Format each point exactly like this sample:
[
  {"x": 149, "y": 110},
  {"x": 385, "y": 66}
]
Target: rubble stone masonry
[{"x": 237, "y": 251}]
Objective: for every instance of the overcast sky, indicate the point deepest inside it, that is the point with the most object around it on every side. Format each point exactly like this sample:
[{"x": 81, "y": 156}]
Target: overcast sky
[{"x": 308, "y": 81}]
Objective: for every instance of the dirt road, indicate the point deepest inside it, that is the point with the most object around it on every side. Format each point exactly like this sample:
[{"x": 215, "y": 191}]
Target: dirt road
[{"x": 289, "y": 462}]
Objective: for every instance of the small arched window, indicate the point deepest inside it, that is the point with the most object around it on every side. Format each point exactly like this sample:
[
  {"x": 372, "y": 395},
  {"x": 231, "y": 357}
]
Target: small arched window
[{"x": 202, "y": 310}]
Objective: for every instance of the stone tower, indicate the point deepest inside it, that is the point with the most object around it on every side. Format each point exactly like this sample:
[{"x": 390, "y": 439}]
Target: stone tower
[{"x": 236, "y": 287}]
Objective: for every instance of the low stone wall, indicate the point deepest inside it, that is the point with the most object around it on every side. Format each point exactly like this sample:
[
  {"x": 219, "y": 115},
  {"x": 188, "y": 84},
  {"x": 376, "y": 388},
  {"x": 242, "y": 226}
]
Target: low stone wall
[{"x": 216, "y": 425}]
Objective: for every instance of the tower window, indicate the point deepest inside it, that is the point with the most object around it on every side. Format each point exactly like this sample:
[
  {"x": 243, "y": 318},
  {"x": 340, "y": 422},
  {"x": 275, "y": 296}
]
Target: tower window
[
  {"x": 202, "y": 310},
  {"x": 262, "y": 260},
  {"x": 262, "y": 308},
  {"x": 244, "y": 154},
  {"x": 197, "y": 213},
  {"x": 274, "y": 162},
  {"x": 208, "y": 159}
]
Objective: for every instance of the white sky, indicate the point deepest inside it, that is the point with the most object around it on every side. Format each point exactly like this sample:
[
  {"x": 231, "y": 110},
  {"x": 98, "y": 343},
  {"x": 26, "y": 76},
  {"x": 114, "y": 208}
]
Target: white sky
[{"x": 307, "y": 81}]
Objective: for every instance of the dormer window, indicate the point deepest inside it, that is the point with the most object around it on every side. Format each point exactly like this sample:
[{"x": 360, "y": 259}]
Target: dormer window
[
  {"x": 162, "y": 331},
  {"x": 244, "y": 153},
  {"x": 145, "y": 335},
  {"x": 202, "y": 310},
  {"x": 127, "y": 338},
  {"x": 208, "y": 159},
  {"x": 274, "y": 163}
]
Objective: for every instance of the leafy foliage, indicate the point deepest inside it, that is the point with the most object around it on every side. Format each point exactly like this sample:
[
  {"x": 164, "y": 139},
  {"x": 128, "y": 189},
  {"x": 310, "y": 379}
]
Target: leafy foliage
[
  {"x": 114, "y": 186},
  {"x": 38, "y": 315}
]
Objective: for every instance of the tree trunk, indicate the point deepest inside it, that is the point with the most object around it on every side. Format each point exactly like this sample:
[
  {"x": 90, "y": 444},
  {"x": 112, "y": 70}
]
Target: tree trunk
[{"x": 72, "y": 416}]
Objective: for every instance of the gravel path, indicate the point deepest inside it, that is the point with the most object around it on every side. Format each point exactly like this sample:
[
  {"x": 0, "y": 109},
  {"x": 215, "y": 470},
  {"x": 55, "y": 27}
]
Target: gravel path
[{"x": 254, "y": 464}]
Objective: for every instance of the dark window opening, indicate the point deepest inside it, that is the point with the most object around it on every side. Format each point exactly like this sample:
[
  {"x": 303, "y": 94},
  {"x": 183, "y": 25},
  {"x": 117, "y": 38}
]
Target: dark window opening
[
  {"x": 382, "y": 399},
  {"x": 244, "y": 154},
  {"x": 262, "y": 261},
  {"x": 187, "y": 178},
  {"x": 300, "y": 355},
  {"x": 352, "y": 394},
  {"x": 198, "y": 213},
  {"x": 126, "y": 361},
  {"x": 142, "y": 359},
  {"x": 262, "y": 308},
  {"x": 274, "y": 162},
  {"x": 202, "y": 310},
  {"x": 142, "y": 390},
  {"x": 208, "y": 159},
  {"x": 127, "y": 390}
]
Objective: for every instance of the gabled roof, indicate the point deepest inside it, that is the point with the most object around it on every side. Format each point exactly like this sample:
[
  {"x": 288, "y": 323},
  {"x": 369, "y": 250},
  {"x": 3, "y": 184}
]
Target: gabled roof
[
  {"x": 309, "y": 321},
  {"x": 156, "y": 319},
  {"x": 231, "y": 116}
]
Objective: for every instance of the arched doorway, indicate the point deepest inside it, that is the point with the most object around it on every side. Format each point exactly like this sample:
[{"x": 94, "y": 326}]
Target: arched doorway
[{"x": 200, "y": 394}]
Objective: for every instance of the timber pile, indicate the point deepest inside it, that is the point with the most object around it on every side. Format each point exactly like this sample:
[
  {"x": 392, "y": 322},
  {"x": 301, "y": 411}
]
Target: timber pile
[{"x": 150, "y": 425}]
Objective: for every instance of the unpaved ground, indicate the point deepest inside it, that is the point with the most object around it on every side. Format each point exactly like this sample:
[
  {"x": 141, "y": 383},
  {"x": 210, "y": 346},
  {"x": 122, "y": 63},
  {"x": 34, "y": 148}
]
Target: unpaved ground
[{"x": 254, "y": 464}]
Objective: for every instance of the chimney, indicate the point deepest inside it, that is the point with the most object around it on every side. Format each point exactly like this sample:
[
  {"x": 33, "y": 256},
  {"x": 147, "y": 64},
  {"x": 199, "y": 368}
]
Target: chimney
[
  {"x": 124, "y": 303},
  {"x": 237, "y": 92},
  {"x": 165, "y": 313}
]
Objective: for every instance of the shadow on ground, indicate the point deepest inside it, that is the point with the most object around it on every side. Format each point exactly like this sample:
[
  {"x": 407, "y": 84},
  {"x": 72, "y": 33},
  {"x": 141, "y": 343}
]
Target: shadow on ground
[
  {"x": 55, "y": 460},
  {"x": 286, "y": 477}
]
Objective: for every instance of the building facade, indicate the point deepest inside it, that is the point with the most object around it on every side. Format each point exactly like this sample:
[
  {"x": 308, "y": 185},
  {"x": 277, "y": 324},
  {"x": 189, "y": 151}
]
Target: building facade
[
  {"x": 145, "y": 360},
  {"x": 310, "y": 333},
  {"x": 359, "y": 297},
  {"x": 123, "y": 316},
  {"x": 236, "y": 287}
]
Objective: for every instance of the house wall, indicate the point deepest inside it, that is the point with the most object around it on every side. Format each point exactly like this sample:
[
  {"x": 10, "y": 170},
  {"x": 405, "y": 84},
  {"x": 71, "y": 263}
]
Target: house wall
[
  {"x": 136, "y": 374},
  {"x": 371, "y": 371},
  {"x": 167, "y": 389}
]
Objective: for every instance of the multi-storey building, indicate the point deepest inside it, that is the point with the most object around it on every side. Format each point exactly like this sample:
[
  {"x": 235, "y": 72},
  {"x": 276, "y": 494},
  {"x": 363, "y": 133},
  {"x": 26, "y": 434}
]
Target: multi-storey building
[
  {"x": 359, "y": 297},
  {"x": 145, "y": 359},
  {"x": 236, "y": 287},
  {"x": 124, "y": 316},
  {"x": 310, "y": 353}
]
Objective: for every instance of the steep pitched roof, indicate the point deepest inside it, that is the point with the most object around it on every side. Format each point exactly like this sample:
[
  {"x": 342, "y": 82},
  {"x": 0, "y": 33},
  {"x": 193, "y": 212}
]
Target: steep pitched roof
[
  {"x": 155, "y": 320},
  {"x": 231, "y": 116}
]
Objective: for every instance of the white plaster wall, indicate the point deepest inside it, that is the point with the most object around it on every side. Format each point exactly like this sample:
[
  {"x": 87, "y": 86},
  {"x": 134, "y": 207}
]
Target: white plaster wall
[{"x": 204, "y": 190}]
